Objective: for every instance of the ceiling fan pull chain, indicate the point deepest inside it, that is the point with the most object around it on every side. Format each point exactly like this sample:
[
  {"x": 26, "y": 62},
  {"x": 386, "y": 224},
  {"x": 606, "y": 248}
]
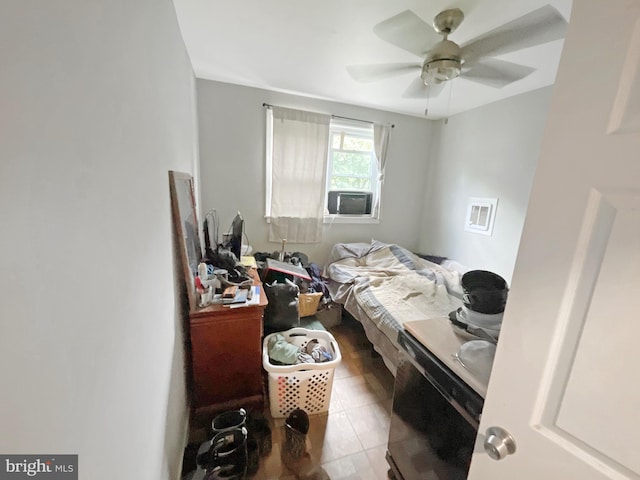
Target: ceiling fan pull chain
[
  {"x": 426, "y": 110},
  {"x": 446, "y": 120}
]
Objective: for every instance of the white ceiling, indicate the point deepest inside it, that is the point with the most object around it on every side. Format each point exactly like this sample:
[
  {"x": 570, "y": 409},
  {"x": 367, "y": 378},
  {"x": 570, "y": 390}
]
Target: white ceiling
[{"x": 303, "y": 47}]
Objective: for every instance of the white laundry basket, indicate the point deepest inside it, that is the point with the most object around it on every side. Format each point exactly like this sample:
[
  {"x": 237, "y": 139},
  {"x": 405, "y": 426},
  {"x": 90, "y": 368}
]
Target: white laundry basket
[{"x": 305, "y": 385}]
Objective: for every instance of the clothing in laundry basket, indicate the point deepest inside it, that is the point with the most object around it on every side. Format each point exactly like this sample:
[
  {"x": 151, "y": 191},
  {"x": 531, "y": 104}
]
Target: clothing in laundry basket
[
  {"x": 286, "y": 353},
  {"x": 282, "y": 351},
  {"x": 317, "y": 351}
]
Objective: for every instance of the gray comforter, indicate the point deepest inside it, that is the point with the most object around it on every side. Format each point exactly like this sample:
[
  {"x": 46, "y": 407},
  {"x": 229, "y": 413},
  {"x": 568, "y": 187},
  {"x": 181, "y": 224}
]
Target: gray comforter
[{"x": 390, "y": 285}]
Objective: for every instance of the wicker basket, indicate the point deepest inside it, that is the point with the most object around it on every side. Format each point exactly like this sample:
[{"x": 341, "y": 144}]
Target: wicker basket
[
  {"x": 308, "y": 303},
  {"x": 305, "y": 385}
]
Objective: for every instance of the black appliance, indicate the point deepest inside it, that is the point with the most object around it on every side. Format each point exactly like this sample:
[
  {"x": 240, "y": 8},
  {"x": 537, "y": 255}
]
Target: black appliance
[
  {"x": 434, "y": 418},
  {"x": 349, "y": 202}
]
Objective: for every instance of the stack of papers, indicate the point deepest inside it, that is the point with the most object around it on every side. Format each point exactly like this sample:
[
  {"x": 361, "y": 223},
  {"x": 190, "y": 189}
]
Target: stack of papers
[
  {"x": 255, "y": 298},
  {"x": 240, "y": 297},
  {"x": 249, "y": 261}
]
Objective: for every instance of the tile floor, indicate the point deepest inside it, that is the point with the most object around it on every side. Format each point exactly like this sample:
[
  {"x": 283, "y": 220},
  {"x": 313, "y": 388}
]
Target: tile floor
[{"x": 348, "y": 442}]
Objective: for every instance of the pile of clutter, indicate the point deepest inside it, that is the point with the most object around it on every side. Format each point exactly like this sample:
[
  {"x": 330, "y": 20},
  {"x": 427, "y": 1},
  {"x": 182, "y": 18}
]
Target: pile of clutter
[
  {"x": 212, "y": 280},
  {"x": 484, "y": 299},
  {"x": 294, "y": 289},
  {"x": 317, "y": 284}
]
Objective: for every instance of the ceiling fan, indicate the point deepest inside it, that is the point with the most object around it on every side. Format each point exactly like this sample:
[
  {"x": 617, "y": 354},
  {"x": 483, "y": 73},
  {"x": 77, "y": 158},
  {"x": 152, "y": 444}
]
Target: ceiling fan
[{"x": 444, "y": 60}]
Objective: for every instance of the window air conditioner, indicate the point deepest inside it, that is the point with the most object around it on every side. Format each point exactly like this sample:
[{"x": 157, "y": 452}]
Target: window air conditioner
[{"x": 345, "y": 202}]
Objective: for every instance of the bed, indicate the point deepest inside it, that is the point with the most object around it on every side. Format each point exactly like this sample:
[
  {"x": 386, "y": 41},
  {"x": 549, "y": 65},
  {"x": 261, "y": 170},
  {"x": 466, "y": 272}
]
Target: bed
[{"x": 384, "y": 285}]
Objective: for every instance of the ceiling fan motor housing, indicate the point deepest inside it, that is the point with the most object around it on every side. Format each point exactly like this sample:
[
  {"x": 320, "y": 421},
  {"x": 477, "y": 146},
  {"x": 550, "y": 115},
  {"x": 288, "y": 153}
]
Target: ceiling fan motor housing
[{"x": 443, "y": 62}]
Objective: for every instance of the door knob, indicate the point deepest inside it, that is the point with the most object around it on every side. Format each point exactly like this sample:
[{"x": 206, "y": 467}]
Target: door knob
[{"x": 499, "y": 443}]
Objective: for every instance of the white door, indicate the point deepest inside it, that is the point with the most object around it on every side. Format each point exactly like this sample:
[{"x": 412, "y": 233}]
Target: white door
[{"x": 566, "y": 378}]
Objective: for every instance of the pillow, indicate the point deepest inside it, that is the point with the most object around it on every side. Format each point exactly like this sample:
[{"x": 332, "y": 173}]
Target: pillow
[{"x": 432, "y": 258}]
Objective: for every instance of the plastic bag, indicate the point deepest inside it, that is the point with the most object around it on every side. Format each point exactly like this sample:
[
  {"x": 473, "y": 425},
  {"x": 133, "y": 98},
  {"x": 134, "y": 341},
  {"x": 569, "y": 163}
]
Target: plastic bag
[{"x": 282, "y": 311}]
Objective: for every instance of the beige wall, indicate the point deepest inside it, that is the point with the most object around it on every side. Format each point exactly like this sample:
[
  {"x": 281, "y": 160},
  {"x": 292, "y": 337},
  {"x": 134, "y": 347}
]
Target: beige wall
[
  {"x": 232, "y": 131},
  {"x": 432, "y": 170},
  {"x": 491, "y": 151}
]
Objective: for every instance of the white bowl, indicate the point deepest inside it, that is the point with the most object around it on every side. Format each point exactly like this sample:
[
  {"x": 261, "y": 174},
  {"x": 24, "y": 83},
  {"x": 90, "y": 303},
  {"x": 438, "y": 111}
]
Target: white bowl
[{"x": 477, "y": 357}]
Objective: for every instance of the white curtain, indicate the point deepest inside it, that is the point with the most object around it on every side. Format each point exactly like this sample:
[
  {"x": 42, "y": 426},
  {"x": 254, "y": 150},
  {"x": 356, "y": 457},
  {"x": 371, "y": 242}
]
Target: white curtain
[
  {"x": 381, "y": 145},
  {"x": 296, "y": 170}
]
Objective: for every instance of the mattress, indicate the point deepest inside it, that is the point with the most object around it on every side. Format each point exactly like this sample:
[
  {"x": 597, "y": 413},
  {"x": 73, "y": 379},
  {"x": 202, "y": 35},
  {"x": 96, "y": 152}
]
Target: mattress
[{"x": 384, "y": 285}]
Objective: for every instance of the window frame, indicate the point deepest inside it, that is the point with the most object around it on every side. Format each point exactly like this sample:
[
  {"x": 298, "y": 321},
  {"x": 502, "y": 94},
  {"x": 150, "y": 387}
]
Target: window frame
[{"x": 358, "y": 130}]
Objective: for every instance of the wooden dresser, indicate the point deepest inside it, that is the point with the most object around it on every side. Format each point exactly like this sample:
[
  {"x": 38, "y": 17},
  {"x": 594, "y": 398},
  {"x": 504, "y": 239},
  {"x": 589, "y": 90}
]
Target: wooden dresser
[{"x": 226, "y": 355}]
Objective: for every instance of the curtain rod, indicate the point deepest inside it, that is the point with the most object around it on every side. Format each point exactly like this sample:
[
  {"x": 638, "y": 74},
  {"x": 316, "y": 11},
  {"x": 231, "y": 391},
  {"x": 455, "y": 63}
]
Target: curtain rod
[{"x": 266, "y": 105}]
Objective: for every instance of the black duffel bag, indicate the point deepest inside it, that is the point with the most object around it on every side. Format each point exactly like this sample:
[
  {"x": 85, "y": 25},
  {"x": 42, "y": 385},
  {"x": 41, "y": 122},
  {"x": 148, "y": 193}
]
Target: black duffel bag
[{"x": 282, "y": 311}]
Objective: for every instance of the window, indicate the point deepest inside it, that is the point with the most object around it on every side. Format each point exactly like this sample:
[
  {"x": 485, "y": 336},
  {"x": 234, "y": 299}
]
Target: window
[
  {"x": 321, "y": 169},
  {"x": 352, "y": 170}
]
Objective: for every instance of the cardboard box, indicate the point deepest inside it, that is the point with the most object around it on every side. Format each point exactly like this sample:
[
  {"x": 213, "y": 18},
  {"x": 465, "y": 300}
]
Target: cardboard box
[{"x": 330, "y": 316}]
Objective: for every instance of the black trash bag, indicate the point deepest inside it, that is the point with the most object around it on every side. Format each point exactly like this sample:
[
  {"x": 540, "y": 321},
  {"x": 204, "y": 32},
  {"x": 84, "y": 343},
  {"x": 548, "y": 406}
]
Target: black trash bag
[{"x": 282, "y": 311}]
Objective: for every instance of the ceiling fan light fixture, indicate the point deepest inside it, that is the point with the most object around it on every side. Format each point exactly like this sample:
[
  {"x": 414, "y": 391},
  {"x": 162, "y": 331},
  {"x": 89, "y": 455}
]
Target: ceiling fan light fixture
[
  {"x": 440, "y": 71},
  {"x": 443, "y": 62}
]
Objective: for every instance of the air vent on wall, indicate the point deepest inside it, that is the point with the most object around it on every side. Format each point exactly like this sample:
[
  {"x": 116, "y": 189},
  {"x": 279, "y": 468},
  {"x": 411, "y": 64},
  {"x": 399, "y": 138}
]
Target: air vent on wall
[{"x": 480, "y": 215}]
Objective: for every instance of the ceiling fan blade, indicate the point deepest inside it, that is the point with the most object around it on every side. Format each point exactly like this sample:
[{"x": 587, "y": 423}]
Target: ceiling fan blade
[
  {"x": 543, "y": 25},
  {"x": 496, "y": 73},
  {"x": 380, "y": 71},
  {"x": 409, "y": 32},
  {"x": 417, "y": 89}
]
